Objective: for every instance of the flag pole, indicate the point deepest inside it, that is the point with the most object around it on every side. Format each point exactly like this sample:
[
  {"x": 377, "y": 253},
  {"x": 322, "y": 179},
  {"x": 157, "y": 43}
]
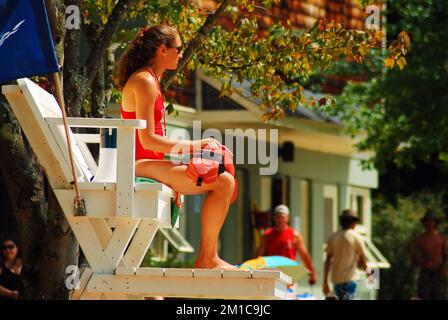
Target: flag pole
[{"x": 80, "y": 207}]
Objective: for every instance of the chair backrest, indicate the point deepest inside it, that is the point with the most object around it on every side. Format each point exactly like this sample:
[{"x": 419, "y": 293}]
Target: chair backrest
[{"x": 32, "y": 105}]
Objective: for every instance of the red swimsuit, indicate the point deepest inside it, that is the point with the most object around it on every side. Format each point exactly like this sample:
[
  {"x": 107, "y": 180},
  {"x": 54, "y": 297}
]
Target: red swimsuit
[{"x": 140, "y": 152}]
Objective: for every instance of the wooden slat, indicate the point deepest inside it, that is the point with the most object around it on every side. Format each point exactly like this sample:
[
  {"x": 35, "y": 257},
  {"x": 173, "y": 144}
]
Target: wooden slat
[
  {"x": 120, "y": 239},
  {"x": 242, "y": 274},
  {"x": 179, "y": 272},
  {"x": 10, "y": 89},
  {"x": 85, "y": 277},
  {"x": 86, "y": 154},
  {"x": 89, "y": 242},
  {"x": 92, "y": 295},
  {"x": 38, "y": 134},
  {"x": 125, "y": 172},
  {"x": 140, "y": 243},
  {"x": 155, "y": 272},
  {"x": 152, "y": 187},
  {"x": 99, "y": 122},
  {"x": 88, "y": 137},
  {"x": 115, "y": 296},
  {"x": 207, "y": 273},
  {"x": 102, "y": 230},
  {"x": 271, "y": 274},
  {"x": 129, "y": 271},
  {"x": 189, "y": 287},
  {"x": 101, "y": 186}
]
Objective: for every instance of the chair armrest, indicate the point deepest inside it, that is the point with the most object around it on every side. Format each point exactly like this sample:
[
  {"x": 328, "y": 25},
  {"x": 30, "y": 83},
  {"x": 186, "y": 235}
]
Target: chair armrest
[{"x": 99, "y": 122}]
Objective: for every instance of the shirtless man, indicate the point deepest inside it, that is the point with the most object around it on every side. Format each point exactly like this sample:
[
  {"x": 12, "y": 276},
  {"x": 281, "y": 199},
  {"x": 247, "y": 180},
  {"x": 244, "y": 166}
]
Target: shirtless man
[{"x": 429, "y": 253}]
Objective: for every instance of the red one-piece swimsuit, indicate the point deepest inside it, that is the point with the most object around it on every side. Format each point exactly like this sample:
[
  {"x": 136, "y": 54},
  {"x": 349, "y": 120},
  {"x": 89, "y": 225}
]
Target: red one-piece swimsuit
[{"x": 140, "y": 152}]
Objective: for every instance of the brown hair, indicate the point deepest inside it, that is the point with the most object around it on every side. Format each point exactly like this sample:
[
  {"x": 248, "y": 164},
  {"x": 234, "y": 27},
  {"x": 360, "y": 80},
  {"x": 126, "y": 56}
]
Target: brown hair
[{"x": 142, "y": 49}]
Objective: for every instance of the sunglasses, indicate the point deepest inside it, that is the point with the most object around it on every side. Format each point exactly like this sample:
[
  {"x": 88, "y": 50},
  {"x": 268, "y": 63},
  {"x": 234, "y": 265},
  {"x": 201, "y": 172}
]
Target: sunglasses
[
  {"x": 178, "y": 49},
  {"x": 8, "y": 247}
]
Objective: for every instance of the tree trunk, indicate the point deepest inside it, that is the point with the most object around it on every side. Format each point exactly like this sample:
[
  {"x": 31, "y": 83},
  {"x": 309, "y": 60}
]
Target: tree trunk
[
  {"x": 25, "y": 185},
  {"x": 8, "y": 223},
  {"x": 73, "y": 77},
  {"x": 48, "y": 245},
  {"x": 60, "y": 251}
]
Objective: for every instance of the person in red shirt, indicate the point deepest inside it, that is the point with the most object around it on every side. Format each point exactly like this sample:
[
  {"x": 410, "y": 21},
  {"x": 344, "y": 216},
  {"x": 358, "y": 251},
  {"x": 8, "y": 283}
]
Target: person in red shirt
[{"x": 283, "y": 240}]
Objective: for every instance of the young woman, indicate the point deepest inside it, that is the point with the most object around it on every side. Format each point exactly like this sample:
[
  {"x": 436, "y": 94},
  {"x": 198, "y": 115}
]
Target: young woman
[
  {"x": 10, "y": 271},
  {"x": 155, "y": 50}
]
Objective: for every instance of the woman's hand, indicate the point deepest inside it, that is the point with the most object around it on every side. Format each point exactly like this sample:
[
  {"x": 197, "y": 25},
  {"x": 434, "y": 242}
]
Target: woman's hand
[
  {"x": 210, "y": 143},
  {"x": 14, "y": 295}
]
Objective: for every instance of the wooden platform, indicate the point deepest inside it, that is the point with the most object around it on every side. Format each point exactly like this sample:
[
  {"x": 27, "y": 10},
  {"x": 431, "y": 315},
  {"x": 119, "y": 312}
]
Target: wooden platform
[{"x": 138, "y": 283}]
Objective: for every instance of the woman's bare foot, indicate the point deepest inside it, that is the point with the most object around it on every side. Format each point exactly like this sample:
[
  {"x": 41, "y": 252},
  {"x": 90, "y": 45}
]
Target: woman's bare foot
[{"x": 214, "y": 263}]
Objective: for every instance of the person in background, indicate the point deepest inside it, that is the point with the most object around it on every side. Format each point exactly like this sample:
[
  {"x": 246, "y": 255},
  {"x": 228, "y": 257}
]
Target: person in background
[
  {"x": 10, "y": 271},
  {"x": 283, "y": 240},
  {"x": 429, "y": 253},
  {"x": 344, "y": 251}
]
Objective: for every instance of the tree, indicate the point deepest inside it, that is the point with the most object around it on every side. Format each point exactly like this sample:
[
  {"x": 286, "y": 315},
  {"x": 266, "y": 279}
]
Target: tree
[
  {"x": 394, "y": 229},
  {"x": 275, "y": 65},
  {"x": 404, "y": 112}
]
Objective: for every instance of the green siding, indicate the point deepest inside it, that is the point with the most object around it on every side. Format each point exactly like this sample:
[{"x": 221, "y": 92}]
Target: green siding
[{"x": 329, "y": 168}]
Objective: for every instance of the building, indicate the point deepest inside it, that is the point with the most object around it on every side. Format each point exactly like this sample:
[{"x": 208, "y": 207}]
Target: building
[{"x": 320, "y": 175}]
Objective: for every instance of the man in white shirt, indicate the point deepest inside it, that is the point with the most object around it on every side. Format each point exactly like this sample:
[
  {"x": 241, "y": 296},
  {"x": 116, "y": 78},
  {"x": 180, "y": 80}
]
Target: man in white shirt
[{"x": 344, "y": 251}]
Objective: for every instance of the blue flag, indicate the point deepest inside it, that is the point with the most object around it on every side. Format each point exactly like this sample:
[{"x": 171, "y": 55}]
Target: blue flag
[{"x": 26, "y": 45}]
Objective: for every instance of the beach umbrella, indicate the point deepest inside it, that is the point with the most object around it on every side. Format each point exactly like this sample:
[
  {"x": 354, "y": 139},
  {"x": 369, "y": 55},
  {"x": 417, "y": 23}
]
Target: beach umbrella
[{"x": 290, "y": 267}]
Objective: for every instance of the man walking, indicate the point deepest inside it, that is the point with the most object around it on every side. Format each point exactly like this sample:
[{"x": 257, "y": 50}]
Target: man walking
[
  {"x": 283, "y": 240},
  {"x": 344, "y": 251},
  {"x": 429, "y": 253}
]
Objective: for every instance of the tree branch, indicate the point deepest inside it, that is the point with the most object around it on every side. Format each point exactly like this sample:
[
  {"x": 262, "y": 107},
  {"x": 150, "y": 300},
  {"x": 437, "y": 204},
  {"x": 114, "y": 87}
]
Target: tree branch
[
  {"x": 103, "y": 41},
  {"x": 196, "y": 43}
]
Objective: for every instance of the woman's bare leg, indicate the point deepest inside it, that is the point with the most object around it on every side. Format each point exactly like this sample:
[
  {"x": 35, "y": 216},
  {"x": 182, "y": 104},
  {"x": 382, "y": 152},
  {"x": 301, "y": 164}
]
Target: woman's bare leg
[{"x": 214, "y": 210}]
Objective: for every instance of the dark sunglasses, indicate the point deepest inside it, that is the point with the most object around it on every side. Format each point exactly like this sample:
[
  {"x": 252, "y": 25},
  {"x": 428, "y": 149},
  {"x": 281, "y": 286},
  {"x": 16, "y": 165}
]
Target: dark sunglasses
[
  {"x": 178, "y": 49},
  {"x": 9, "y": 247}
]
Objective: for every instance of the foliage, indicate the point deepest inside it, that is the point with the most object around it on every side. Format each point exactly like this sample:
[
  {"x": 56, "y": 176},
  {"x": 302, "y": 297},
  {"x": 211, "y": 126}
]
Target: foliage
[
  {"x": 276, "y": 66},
  {"x": 403, "y": 114},
  {"x": 394, "y": 228},
  {"x": 172, "y": 261}
]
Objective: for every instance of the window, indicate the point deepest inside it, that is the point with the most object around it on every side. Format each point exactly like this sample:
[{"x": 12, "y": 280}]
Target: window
[
  {"x": 330, "y": 210},
  {"x": 279, "y": 191},
  {"x": 177, "y": 240},
  {"x": 305, "y": 211},
  {"x": 374, "y": 257},
  {"x": 360, "y": 201},
  {"x": 164, "y": 238}
]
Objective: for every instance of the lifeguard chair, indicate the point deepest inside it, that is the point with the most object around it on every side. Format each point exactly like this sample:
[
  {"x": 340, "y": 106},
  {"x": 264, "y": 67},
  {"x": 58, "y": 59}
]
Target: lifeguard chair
[{"x": 122, "y": 216}]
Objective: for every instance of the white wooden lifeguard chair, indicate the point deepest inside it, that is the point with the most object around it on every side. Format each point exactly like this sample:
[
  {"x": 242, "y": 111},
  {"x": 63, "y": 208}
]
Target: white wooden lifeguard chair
[{"x": 123, "y": 216}]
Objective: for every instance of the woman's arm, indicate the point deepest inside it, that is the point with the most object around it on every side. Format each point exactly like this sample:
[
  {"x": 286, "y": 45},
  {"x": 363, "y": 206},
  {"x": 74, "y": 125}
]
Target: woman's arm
[
  {"x": 145, "y": 93},
  {"x": 6, "y": 292}
]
